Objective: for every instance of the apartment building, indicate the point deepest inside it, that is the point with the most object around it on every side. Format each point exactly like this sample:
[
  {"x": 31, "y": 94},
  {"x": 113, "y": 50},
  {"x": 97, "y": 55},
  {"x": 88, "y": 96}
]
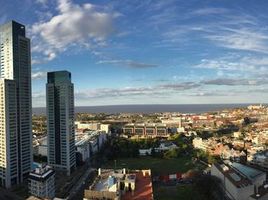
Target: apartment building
[{"x": 41, "y": 182}]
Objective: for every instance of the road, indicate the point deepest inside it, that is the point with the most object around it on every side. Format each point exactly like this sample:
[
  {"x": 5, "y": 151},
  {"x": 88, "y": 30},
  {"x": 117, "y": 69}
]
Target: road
[{"x": 80, "y": 185}]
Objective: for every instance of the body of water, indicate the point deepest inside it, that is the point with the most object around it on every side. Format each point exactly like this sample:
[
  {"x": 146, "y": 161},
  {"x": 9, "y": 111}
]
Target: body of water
[{"x": 147, "y": 108}]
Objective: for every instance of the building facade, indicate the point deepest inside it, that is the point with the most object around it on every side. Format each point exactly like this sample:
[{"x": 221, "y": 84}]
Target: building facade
[
  {"x": 239, "y": 181},
  {"x": 146, "y": 130},
  {"x": 60, "y": 121},
  {"x": 15, "y": 104},
  {"x": 41, "y": 182}
]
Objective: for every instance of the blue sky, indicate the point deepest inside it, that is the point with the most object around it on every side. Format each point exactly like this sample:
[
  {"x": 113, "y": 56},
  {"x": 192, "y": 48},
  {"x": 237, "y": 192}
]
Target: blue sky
[{"x": 148, "y": 51}]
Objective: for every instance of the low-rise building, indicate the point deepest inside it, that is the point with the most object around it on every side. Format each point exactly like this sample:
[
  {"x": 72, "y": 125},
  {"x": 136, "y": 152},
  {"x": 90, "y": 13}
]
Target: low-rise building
[
  {"x": 83, "y": 148},
  {"x": 121, "y": 185},
  {"x": 89, "y": 142},
  {"x": 146, "y": 130},
  {"x": 198, "y": 143},
  {"x": 239, "y": 181},
  {"x": 175, "y": 121},
  {"x": 42, "y": 182},
  {"x": 237, "y": 134},
  {"x": 165, "y": 146},
  {"x": 92, "y": 126}
]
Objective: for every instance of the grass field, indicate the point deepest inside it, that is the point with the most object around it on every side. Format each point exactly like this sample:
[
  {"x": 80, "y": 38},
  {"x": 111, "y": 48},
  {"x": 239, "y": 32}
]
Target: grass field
[
  {"x": 185, "y": 192},
  {"x": 157, "y": 165},
  {"x": 162, "y": 166}
]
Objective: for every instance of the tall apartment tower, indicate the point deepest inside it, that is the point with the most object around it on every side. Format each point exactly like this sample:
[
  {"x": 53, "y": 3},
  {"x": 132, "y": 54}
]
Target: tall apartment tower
[
  {"x": 60, "y": 121},
  {"x": 15, "y": 105}
]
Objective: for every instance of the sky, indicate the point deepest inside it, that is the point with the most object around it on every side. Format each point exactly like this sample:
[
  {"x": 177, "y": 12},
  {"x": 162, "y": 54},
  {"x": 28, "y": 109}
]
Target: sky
[{"x": 148, "y": 51}]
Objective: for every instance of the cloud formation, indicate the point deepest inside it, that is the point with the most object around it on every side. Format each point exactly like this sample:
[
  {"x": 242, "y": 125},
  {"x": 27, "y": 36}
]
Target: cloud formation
[
  {"x": 136, "y": 91},
  {"x": 245, "y": 39},
  {"x": 38, "y": 75},
  {"x": 128, "y": 63},
  {"x": 233, "y": 82},
  {"x": 209, "y": 11},
  {"x": 74, "y": 25},
  {"x": 236, "y": 62}
]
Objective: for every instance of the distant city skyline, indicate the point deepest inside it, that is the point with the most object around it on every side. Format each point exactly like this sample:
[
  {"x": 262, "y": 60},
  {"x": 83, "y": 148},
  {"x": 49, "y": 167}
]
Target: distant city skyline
[{"x": 150, "y": 51}]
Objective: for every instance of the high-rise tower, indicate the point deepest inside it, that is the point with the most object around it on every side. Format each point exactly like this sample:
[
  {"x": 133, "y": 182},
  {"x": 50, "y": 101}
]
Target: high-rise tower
[
  {"x": 15, "y": 104},
  {"x": 60, "y": 121}
]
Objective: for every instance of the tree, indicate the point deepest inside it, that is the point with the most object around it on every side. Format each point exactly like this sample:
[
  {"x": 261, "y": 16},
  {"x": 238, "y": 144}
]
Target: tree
[
  {"x": 172, "y": 153},
  {"x": 209, "y": 186},
  {"x": 246, "y": 121}
]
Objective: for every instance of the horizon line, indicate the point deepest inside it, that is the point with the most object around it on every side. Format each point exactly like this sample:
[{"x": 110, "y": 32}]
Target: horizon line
[{"x": 164, "y": 104}]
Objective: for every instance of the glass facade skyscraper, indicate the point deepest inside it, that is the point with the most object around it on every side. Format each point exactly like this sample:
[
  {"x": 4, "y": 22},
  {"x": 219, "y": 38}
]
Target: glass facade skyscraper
[
  {"x": 15, "y": 104},
  {"x": 60, "y": 121}
]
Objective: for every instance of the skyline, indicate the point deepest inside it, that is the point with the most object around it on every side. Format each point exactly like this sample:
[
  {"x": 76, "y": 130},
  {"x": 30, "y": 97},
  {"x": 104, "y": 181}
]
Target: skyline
[{"x": 154, "y": 52}]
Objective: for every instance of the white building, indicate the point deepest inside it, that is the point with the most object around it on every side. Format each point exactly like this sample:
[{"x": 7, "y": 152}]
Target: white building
[
  {"x": 83, "y": 147},
  {"x": 239, "y": 181},
  {"x": 15, "y": 105},
  {"x": 105, "y": 127},
  {"x": 255, "y": 107},
  {"x": 173, "y": 120},
  {"x": 60, "y": 121},
  {"x": 89, "y": 143},
  {"x": 42, "y": 182},
  {"x": 237, "y": 134},
  {"x": 93, "y": 126},
  {"x": 90, "y": 126},
  {"x": 145, "y": 152},
  {"x": 165, "y": 146},
  {"x": 199, "y": 143}
]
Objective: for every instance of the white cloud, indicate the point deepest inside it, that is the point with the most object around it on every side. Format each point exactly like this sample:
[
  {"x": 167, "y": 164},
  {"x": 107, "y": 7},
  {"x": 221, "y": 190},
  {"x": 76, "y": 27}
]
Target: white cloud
[
  {"x": 249, "y": 40},
  {"x": 35, "y": 61},
  {"x": 248, "y": 64},
  {"x": 231, "y": 29},
  {"x": 38, "y": 75},
  {"x": 128, "y": 63},
  {"x": 74, "y": 25},
  {"x": 235, "y": 82},
  {"x": 157, "y": 90},
  {"x": 209, "y": 11}
]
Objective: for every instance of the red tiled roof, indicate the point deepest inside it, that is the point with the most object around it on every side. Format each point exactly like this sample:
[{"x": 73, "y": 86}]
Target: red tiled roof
[{"x": 143, "y": 190}]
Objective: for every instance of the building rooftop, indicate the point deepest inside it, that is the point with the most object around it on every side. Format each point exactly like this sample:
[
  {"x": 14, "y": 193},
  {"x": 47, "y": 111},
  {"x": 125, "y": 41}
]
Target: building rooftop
[
  {"x": 135, "y": 185},
  {"x": 237, "y": 179},
  {"x": 81, "y": 139},
  {"x": 110, "y": 177},
  {"x": 143, "y": 189},
  {"x": 249, "y": 172},
  {"x": 42, "y": 172},
  {"x": 58, "y": 77}
]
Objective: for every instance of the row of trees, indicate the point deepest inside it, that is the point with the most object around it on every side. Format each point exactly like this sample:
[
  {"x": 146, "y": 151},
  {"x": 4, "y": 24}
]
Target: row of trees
[{"x": 205, "y": 156}]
